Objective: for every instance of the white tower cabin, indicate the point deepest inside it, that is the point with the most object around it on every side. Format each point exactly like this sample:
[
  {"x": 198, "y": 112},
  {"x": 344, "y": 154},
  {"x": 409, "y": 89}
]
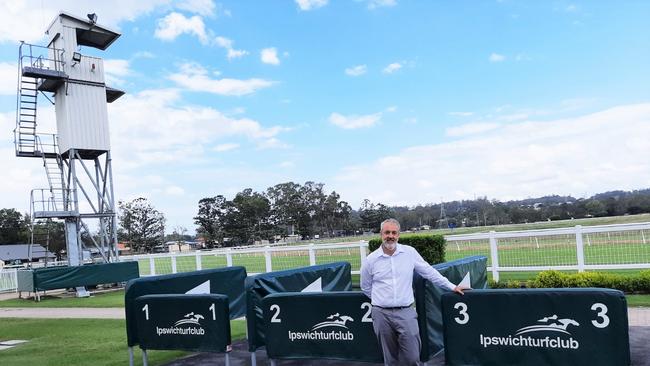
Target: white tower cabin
[{"x": 77, "y": 157}]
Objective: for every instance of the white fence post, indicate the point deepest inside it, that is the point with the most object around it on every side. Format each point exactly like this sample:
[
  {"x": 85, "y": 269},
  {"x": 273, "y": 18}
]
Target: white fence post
[
  {"x": 363, "y": 249},
  {"x": 199, "y": 265},
  {"x": 152, "y": 266},
  {"x": 267, "y": 258},
  {"x": 494, "y": 255},
  {"x": 228, "y": 257},
  {"x": 312, "y": 255},
  {"x": 580, "y": 249},
  {"x": 174, "y": 264}
]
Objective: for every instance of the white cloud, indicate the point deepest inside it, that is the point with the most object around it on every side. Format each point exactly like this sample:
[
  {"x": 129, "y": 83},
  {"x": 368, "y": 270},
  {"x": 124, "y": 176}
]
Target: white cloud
[
  {"x": 353, "y": 121},
  {"x": 201, "y": 7},
  {"x": 228, "y": 45},
  {"x": 356, "y": 70},
  {"x": 392, "y": 68},
  {"x": 175, "y": 24},
  {"x": 193, "y": 76},
  {"x": 495, "y": 57},
  {"x": 525, "y": 159},
  {"x": 116, "y": 70},
  {"x": 174, "y": 191},
  {"x": 391, "y": 109},
  {"x": 225, "y": 147},
  {"x": 181, "y": 133},
  {"x": 306, "y": 5},
  {"x": 373, "y": 4},
  {"x": 270, "y": 56},
  {"x": 287, "y": 164},
  {"x": 27, "y": 20},
  {"x": 460, "y": 114},
  {"x": 470, "y": 128},
  {"x": 9, "y": 77},
  {"x": 272, "y": 143}
]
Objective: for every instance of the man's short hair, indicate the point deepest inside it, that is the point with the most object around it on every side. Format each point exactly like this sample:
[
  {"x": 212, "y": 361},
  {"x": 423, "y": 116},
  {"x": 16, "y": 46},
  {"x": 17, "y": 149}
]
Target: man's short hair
[{"x": 392, "y": 221}]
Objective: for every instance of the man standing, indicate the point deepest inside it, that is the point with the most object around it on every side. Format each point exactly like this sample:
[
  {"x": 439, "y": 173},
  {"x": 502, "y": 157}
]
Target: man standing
[{"x": 387, "y": 279}]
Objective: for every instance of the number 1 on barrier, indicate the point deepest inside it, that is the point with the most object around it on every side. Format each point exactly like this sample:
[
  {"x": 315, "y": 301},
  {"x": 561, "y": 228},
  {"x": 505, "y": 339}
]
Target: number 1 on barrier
[
  {"x": 146, "y": 311},
  {"x": 463, "y": 311}
]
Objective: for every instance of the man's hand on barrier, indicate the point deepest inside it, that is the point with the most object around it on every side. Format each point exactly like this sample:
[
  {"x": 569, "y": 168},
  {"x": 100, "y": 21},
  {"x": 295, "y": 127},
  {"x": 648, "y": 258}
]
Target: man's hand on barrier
[{"x": 459, "y": 289}]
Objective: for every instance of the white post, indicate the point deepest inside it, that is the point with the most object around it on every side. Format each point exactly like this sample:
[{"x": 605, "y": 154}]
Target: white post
[
  {"x": 267, "y": 258},
  {"x": 580, "y": 249},
  {"x": 363, "y": 249},
  {"x": 312, "y": 255},
  {"x": 642, "y": 236},
  {"x": 494, "y": 255},
  {"x": 174, "y": 264},
  {"x": 152, "y": 266},
  {"x": 229, "y": 257},
  {"x": 199, "y": 265}
]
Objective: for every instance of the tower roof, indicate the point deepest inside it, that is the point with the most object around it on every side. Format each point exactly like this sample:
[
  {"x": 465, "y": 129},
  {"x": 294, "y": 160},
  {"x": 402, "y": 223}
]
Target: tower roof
[{"x": 88, "y": 33}]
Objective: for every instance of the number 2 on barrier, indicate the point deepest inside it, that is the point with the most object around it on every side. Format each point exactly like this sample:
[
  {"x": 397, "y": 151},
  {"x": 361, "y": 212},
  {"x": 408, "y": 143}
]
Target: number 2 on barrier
[
  {"x": 146, "y": 311},
  {"x": 274, "y": 318},
  {"x": 366, "y": 317},
  {"x": 602, "y": 310},
  {"x": 463, "y": 312}
]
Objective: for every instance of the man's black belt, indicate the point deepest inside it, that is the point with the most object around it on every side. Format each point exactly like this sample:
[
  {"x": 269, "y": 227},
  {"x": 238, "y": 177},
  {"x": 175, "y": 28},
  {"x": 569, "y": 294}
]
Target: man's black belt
[{"x": 393, "y": 307}]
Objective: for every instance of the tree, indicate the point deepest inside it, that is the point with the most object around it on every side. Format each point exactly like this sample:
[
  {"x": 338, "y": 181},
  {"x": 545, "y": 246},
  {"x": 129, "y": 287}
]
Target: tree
[
  {"x": 141, "y": 224},
  {"x": 372, "y": 215},
  {"x": 286, "y": 206},
  {"x": 14, "y": 228},
  {"x": 247, "y": 218},
  {"x": 210, "y": 218}
]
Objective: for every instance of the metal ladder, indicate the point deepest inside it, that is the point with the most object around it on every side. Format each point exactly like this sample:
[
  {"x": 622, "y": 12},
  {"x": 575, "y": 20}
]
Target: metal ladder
[{"x": 25, "y": 132}]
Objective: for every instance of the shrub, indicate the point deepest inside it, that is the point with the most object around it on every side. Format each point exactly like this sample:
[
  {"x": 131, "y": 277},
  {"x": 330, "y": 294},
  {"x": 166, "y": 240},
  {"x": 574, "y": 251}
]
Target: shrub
[
  {"x": 430, "y": 247},
  {"x": 555, "y": 279}
]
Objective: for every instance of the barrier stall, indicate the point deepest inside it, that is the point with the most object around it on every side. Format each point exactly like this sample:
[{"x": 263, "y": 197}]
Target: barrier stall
[
  {"x": 183, "y": 322},
  {"x": 227, "y": 281},
  {"x": 428, "y": 297},
  {"x": 337, "y": 325},
  {"x": 51, "y": 278},
  {"x": 536, "y": 327},
  {"x": 320, "y": 278}
]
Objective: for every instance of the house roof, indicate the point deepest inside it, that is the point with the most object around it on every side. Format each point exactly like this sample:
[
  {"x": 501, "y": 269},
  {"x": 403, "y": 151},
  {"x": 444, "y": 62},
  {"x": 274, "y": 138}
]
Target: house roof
[{"x": 21, "y": 252}]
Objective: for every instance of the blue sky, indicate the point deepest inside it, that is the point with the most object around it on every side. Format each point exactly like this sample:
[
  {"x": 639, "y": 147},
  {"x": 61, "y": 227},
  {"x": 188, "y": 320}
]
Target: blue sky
[{"x": 401, "y": 102}]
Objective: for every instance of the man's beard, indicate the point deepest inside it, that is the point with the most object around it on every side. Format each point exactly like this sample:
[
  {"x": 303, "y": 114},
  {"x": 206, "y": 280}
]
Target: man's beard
[{"x": 390, "y": 245}]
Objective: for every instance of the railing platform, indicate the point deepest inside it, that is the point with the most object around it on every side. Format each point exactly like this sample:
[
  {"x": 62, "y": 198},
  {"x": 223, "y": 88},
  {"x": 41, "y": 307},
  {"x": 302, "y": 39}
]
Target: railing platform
[{"x": 54, "y": 214}]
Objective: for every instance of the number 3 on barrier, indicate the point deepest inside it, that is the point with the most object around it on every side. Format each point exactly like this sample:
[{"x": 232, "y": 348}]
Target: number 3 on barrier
[
  {"x": 463, "y": 312},
  {"x": 602, "y": 310}
]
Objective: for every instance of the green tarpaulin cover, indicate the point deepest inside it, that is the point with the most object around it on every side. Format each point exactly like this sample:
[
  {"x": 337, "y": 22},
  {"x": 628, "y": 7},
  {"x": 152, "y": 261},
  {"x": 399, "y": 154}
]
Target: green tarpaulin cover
[
  {"x": 227, "y": 281},
  {"x": 428, "y": 297},
  {"x": 51, "y": 278},
  {"x": 320, "y": 278}
]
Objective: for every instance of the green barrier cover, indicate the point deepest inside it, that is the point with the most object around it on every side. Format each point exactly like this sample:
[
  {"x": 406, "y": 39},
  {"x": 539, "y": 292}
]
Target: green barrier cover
[
  {"x": 536, "y": 327},
  {"x": 321, "y": 278},
  {"x": 333, "y": 325},
  {"x": 51, "y": 278},
  {"x": 427, "y": 299},
  {"x": 228, "y": 281},
  {"x": 25, "y": 280},
  {"x": 183, "y": 322}
]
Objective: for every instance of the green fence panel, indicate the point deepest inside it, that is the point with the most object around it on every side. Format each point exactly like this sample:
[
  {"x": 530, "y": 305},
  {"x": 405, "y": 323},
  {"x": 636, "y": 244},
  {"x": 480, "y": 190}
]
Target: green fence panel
[
  {"x": 321, "y": 278},
  {"x": 183, "y": 322},
  {"x": 333, "y": 325},
  {"x": 227, "y": 281},
  {"x": 427, "y": 299},
  {"x": 536, "y": 327}
]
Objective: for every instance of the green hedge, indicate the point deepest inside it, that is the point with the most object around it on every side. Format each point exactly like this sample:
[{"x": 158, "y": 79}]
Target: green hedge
[
  {"x": 430, "y": 247},
  {"x": 639, "y": 283}
]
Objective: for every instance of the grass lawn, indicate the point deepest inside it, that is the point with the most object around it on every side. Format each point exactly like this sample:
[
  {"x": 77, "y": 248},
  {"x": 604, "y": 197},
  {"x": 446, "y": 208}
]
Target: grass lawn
[
  {"x": 73, "y": 342},
  {"x": 638, "y": 300},
  {"x": 113, "y": 299}
]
